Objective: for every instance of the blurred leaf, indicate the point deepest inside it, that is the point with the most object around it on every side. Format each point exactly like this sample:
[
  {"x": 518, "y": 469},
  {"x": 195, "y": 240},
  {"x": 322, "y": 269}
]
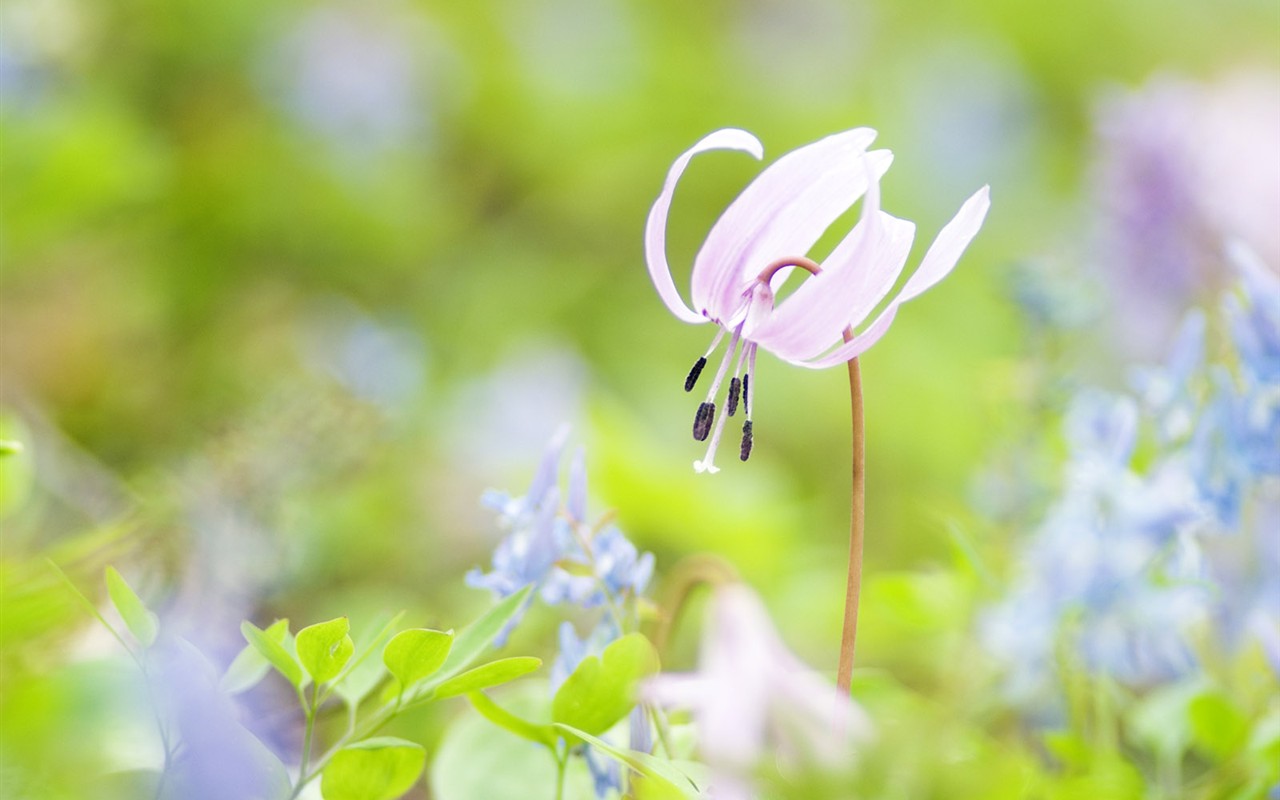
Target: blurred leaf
[
  {"x": 602, "y": 689},
  {"x": 480, "y": 760},
  {"x": 416, "y": 653},
  {"x": 1264, "y": 739},
  {"x": 474, "y": 638},
  {"x": 1109, "y": 777},
  {"x": 542, "y": 734},
  {"x": 16, "y": 473},
  {"x": 1219, "y": 728},
  {"x": 143, "y": 624},
  {"x": 382, "y": 768},
  {"x": 576, "y": 568},
  {"x": 1160, "y": 720},
  {"x": 488, "y": 675},
  {"x": 274, "y": 652},
  {"x": 1068, "y": 747},
  {"x": 663, "y": 780},
  {"x": 249, "y": 666},
  {"x": 325, "y": 648}
]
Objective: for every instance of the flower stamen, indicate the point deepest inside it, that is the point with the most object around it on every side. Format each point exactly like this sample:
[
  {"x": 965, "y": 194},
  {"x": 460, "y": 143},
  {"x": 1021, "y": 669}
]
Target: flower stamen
[
  {"x": 702, "y": 362},
  {"x": 707, "y": 464},
  {"x": 694, "y": 373}
]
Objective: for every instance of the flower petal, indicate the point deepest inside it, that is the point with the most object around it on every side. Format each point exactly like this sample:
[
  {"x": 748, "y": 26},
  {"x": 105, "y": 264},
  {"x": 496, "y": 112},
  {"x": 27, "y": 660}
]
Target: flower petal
[
  {"x": 950, "y": 244},
  {"x": 781, "y": 213},
  {"x": 855, "y": 346},
  {"x": 938, "y": 262},
  {"x": 655, "y": 230},
  {"x": 862, "y": 270}
]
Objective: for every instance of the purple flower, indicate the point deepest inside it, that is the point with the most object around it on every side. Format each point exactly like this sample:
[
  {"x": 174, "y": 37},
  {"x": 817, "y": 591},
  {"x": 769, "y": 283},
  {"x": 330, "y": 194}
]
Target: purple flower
[
  {"x": 753, "y": 699},
  {"x": 765, "y": 233}
]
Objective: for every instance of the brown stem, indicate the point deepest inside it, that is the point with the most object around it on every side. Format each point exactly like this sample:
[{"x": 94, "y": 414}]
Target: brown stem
[
  {"x": 857, "y": 525},
  {"x": 687, "y": 575},
  {"x": 857, "y": 503}
]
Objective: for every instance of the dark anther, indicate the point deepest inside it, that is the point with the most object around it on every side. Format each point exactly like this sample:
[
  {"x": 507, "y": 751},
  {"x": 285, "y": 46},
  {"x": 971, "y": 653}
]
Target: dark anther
[
  {"x": 694, "y": 373},
  {"x": 745, "y": 451},
  {"x": 731, "y": 407},
  {"x": 702, "y": 421},
  {"x": 746, "y": 388}
]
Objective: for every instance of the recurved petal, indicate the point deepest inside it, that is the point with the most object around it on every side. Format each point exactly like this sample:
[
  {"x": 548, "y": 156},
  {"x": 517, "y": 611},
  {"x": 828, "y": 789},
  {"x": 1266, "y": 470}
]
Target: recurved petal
[
  {"x": 857, "y": 276},
  {"x": 950, "y": 244},
  {"x": 855, "y": 346},
  {"x": 655, "y": 231},
  {"x": 782, "y": 212}
]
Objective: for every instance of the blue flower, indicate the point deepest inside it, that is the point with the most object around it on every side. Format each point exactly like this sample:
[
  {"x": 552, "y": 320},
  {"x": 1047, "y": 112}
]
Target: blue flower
[
  {"x": 546, "y": 537},
  {"x": 1130, "y": 559}
]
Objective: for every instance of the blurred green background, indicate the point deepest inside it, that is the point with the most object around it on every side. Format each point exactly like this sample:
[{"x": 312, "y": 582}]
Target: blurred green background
[{"x": 285, "y": 286}]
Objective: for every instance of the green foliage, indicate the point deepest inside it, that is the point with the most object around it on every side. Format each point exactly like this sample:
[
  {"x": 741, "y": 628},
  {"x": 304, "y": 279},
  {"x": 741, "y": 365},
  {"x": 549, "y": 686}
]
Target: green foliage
[
  {"x": 415, "y": 654},
  {"x": 364, "y": 672},
  {"x": 250, "y": 666},
  {"x": 477, "y": 636},
  {"x": 142, "y": 623},
  {"x": 325, "y": 648},
  {"x": 602, "y": 689},
  {"x": 382, "y": 768},
  {"x": 1218, "y": 727},
  {"x": 479, "y": 759},
  {"x": 662, "y": 780},
  {"x": 486, "y": 676},
  {"x": 274, "y": 652},
  {"x": 534, "y": 732}
]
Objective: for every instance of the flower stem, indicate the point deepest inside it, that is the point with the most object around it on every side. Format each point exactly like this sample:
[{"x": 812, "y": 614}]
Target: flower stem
[
  {"x": 562, "y": 760},
  {"x": 857, "y": 524}
]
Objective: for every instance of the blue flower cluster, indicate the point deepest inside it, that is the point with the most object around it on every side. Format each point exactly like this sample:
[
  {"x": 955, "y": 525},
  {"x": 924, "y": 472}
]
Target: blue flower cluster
[
  {"x": 1168, "y": 523},
  {"x": 552, "y": 546},
  {"x": 572, "y": 562}
]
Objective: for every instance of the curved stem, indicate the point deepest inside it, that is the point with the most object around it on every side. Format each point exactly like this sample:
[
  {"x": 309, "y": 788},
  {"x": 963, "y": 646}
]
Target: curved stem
[{"x": 857, "y": 524}]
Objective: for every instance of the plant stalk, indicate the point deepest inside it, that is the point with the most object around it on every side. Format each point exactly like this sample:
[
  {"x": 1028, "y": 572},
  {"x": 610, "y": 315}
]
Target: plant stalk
[{"x": 857, "y": 525}]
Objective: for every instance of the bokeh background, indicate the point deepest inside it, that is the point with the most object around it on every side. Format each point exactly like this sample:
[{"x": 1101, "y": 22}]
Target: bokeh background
[{"x": 285, "y": 286}]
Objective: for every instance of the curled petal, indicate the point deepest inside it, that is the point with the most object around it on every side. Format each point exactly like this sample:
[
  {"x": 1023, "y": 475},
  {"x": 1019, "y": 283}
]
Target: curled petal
[
  {"x": 855, "y": 346},
  {"x": 950, "y": 244},
  {"x": 857, "y": 276},
  {"x": 782, "y": 212},
  {"x": 655, "y": 231},
  {"x": 938, "y": 261}
]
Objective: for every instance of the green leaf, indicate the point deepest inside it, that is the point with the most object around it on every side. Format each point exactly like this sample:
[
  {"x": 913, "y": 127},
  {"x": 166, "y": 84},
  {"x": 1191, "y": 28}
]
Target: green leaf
[
  {"x": 601, "y": 690},
  {"x": 1219, "y": 727},
  {"x": 363, "y": 673},
  {"x": 273, "y": 651},
  {"x": 663, "y": 780},
  {"x": 8, "y": 447},
  {"x": 494, "y": 673},
  {"x": 474, "y": 638},
  {"x": 478, "y": 760},
  {"x": 325, "y": 648},
  {"x": 141, "y": 622},
  {"x": 416, "y": 653},
  {"x": 250, "y": 666},
  {"x": 382, "y": 768},
  {"x": 542, "y": 734}
]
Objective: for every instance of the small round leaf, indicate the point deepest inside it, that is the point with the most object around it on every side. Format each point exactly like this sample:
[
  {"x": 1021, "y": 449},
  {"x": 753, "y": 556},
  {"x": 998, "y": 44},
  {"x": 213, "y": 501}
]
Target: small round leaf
[{"x": 382, "y": 768}]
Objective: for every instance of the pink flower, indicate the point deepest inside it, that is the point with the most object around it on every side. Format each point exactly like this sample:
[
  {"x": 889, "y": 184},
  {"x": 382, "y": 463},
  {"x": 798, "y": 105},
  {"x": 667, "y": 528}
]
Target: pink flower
[
  {"x": 753, "y": 699},
  {"x": 775, "y": 221}
]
